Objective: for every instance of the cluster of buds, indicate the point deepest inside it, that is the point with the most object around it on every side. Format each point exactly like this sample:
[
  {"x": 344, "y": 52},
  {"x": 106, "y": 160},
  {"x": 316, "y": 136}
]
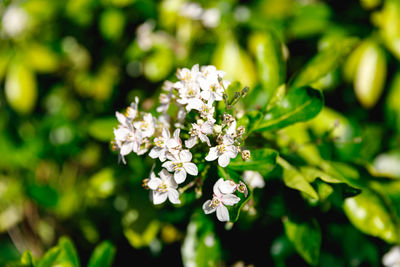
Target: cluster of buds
[{"x": 187, "y": 123}]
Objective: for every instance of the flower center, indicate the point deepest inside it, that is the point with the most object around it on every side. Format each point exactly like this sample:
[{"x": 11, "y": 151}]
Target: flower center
[
  {"x": 162, "y": 188},
  {"x": 159, "y": 142},
  {"x": 221, "y": 148},
  {"x": 177, "y": 166},
  {"x": 215, "y": 202}
]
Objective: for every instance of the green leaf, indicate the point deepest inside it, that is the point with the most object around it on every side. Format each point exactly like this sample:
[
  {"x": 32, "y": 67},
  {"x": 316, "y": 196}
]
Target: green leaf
[
  {"x": 27, "y": 259},
  {"x": 49, "y": 259},
  {"x": 103, "y": 255},
  {"x": 368, "y": 213},
  {"x": 392, "y": 103},
  {"x": 102, "y": 129},
  {"x": 299, "y": 105},
  {"x": 201, "y": 246},
  {"x": 311, "y": 173},
  {"x": 295, "y": 179},
  {"x": 44, "y": 195},
  {"x": 306, "y": 238},
  {"x": 324, "y": 62},
  {"x": 69, "y": 254},
  {"x": 270, "y": 64},
  {"x": 261, "y": 160}
]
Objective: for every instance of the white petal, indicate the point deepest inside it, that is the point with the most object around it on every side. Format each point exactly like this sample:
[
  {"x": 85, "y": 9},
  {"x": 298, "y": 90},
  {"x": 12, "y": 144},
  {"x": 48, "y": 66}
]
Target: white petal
[
  {"x": 126, "y": 148},
  {"x": 216, "y": 190},
  {"x": 173, "y": 196},
  {"x": 120, "y": 117},
  {"x": 163, "y": 155},
  {"x": 169, "y": 165},
  {"x": 154, "y": 183},
  {"x": 227, "y": 140},
  {"x": 206, "y": 94},
  {"x": 212, "y": 154},
  {"x": 191, "y": 168},
  {"x": 121, "y": 133},
  {"x": 165, "y": 134},
  {"x": 185, "y": 156},
  {"x": 230, "y": 199},
  {"x": 191, "y": 142},
  {"x": 159, "y": 198},
  {"x": 180, "y": 176},
  {"x": 204, "y": 138},
  {"x": 223, "y": 160},
  {"x": 207, "y": 127},
  {"x": 231, "y": 151},
  {"x": 207, "y": 207},
  {"x": 227, "y": 187},
  {"x": 155, "y": 152},
  {"x": 222, "y": 213},
  {"x": 194, "y": 103}
]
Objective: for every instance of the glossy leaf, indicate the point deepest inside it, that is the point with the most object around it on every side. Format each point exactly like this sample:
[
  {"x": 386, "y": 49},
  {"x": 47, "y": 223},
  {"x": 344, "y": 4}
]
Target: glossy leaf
[
  {"x": 69, "y": 254},
  {"x": 306, "y": 238},
  {"x": 103, "y": 255},
  {"x": 262, "y": 160},
  {"x": 201, "y": 246},
  {"x": 324, "y": 62},
  {"x": 392, "y": 106},
  {"x": 369, "y": 214},
  {"x": 299, "y": 105},
  {"x": 295, "y": 179}
]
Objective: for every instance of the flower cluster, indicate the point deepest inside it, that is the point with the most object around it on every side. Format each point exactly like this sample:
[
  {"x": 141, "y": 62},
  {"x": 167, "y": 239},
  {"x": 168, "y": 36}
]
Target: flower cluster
[{"x": 188, "y": 123}]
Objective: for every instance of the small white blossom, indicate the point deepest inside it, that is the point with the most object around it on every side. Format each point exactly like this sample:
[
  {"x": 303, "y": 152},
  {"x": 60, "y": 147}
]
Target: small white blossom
[
  {"x": 199, "y": 131},
  {"x": 14, "y": 21},
  {"x": 223, "y": 152},
  {"x": 163, "y": 188},
  {"x": 253, "y": 179},
  {"x": 174, "y": 144},
  {"x": 191, "y": 10},
  {"x": 212, "y": 85},
  {"x": 160, "y": 149},
  {"x": 127, "y": 139},
  {"x": 146, "y": 126},
  {"x": 180, "y": 163},
  {"x": 219, "y": 201},
  {"x": 211, "y": 17},
  {"x": 206, "y": 110},
  {"x": 392, "y": 258}
]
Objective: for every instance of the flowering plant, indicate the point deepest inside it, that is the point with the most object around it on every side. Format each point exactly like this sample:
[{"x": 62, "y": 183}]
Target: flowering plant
[{"x": 194, "y": 118}]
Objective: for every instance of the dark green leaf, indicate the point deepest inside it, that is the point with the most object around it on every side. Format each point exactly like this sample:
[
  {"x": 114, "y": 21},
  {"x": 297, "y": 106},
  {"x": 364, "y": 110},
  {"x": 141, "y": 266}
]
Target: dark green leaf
[
  {"x": 262, "y": 160},
  {"x": 306, "y": 238},
  {"x": 103, "y": 255},
  {"x": 299, "y": 105}
]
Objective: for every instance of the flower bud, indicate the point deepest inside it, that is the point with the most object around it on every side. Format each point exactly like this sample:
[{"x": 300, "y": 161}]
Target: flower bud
[
  {"x": 145, "y": 183},
  {"x": 217, "y": 128},
  {"x": 240, "y": 131},
  {"x": 245, "y": 154},
  {"x": 242, "y": 188}
]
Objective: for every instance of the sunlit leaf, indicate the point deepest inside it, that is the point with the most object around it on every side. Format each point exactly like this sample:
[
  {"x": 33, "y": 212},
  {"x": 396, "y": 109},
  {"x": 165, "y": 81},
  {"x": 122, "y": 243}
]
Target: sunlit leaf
[
  {"x": 103, "y": 255},
  {"x": 299, "y": 105},
  {"x": 50, "y": 258},
  {"x": 102, "y": 129},
  {"x": 262, "y": 160},
  {"x": 69, "y": 254}
]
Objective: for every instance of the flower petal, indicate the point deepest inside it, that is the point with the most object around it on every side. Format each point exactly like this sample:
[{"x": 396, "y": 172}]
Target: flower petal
[
  {"x": 227, "y": 187},
  {"x": 185, "y": 156},
  {"x": 191, "y": 142},
  {"x": 126, "y": 148},
  {"x": 180, "y": 176},
  {"x": 154, "y": 183},
  {"x": 155, "y": 152},
  {"x": 223, "y": 160},
  {"x": 212, "y": 154},
  {"x": 159, "y": 198},
  {"x": 222, "y": 213},
  {"x": 216, "y": 190},
  {"x": 173, "y": 196},
  {"x": 230, "y": 199},
  {"x": 191, "y": 168},
  {"x": 207, "y": 207},
  {"x": 169, "y": 165}
]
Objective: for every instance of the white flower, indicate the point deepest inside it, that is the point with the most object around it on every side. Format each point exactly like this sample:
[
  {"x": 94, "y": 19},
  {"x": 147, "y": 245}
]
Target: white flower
[
  {"x": 199, "y": 131},
  {"x": 174, "y": 144},
  {"x": 212, "y": 87},
  {"x": 210, "y": 17},
  {"x": 392, "y": 258},
  {"x": 146, "y": 126},
  {"x": 163, "y": 188},
  {"x": 206, "y": 110},
  {"x": 224, "y": 152},
  {"x": 191, "y": 10},
  {"x": 127, "y": 140},
  {"x": 180, "y": 164},
  {"x": 253, "y": 179},
  {"x": 160, "y": 149},
  {"x": 14, "y": 21},
  {"x": 218, "y": 202},
  {"x": 132, "y": 111}
]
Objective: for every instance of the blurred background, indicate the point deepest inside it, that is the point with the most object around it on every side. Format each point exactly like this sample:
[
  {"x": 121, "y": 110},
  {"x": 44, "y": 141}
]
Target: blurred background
[{"x": 67, "y": 66}]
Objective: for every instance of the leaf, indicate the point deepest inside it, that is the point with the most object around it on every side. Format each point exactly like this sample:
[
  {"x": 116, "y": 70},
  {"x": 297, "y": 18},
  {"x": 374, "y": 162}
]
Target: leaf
[
  {"x": 261, "y": 160},
  {"x": 324, "y": 62},
  {"x": 295, "y": 180},
  {"x": 201, "y": 246},
  {"x": 20, "y": 88},
  {"x": 299, "y": 105},
  {"x": 40, "y": 58},
  {"x": 44, "y": 195},
  {"x": 369, "y": 214},
  {"x": 311, "y": 173},
  {"x": 271, "y": 66},
  {"x": 102, "y": 129},
  {"x": 371, "y": 75},
  {"x": 27, "y": 259},
  {"x": 49, "y": 259},
  {"x": 306, "y": 238},
  {"x": 103, "y": 255},
  {"x": 387, "y": 164},
  {"x": 69, "y": 254},
  {"x": 392, "y": 103}
]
